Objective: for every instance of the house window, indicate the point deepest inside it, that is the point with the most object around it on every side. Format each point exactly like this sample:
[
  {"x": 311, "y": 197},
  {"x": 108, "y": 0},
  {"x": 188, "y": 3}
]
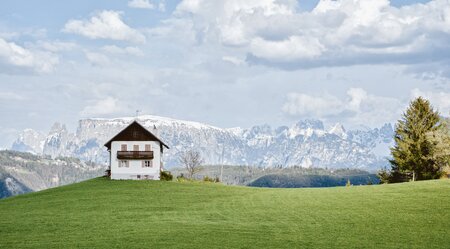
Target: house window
[
  {"x": 123, "y": 147},
  {"x": 148, "y": 147},
  {"x": 147, "y": 164},
  {"x": 123, "y": 164},
  {"x": 138, "y": 176},
  {"x": 136, "y": 147}
]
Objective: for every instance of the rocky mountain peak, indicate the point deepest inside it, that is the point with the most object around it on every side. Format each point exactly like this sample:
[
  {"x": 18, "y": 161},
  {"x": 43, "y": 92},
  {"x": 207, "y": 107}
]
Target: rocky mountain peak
[
  {"x": 305, "y": 144},
  {"x": 338, "y": 130},
  {"x": 58, "y": 128}
]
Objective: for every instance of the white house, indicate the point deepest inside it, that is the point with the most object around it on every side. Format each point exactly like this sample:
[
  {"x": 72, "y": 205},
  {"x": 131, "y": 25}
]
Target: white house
[{"x": 135, "y": 153}]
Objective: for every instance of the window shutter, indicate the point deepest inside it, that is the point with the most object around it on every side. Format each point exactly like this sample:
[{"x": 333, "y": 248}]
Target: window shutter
[
  {"x": 128, "y": 163},
  {"x": 136, "y": 147},
  {"x": 151, "y": 163},
  {"x": 143, "y": 164},
  {"x": 123, "y": 147},
  {"x": 148, "y": 147}
]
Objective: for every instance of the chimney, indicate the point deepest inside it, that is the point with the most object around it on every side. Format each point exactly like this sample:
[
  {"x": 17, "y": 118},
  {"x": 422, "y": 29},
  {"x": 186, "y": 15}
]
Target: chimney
[{"x": 155, "y": 131}]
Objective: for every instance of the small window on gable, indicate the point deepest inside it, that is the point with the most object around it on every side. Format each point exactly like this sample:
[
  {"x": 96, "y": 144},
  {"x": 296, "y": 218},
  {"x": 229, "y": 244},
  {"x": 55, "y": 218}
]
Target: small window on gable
[
  {"x": 136, "y": 147},
  {"x": 123, "y": 147},
  {"x": 136, "y": 134},
  {"x": 148, "y": 147}
]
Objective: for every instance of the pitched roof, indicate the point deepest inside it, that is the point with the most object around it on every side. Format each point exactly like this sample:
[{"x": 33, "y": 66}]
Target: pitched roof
[{"x": 134, "y": 132}]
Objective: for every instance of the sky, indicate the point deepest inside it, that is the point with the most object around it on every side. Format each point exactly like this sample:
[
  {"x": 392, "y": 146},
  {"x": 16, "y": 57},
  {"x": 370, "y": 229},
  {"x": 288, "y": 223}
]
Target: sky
[{"x": 226, "y": 63}]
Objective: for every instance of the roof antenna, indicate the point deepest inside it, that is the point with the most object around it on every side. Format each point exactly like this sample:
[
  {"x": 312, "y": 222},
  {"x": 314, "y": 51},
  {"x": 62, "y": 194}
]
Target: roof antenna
[{"x": 137, "y": 114}]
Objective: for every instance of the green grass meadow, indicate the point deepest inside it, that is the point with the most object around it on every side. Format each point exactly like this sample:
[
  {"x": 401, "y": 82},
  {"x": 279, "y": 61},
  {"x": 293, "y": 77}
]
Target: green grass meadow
[{"x": 102, "y": 213}]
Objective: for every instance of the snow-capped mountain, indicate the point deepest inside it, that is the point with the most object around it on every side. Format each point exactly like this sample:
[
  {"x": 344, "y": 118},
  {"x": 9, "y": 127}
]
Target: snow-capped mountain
[
  {"x": 30, "y": 141},
  {"x": 306, "y": 143}
]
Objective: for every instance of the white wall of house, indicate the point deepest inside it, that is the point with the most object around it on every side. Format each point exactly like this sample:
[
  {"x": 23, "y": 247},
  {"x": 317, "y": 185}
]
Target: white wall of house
[{"x": 135, "y": 169}]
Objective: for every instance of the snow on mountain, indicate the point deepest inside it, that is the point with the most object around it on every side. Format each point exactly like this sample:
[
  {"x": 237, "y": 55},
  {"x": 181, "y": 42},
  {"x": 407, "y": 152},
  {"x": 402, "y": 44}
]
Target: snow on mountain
[
  {"x": 306, "y": 143},
  {"x": 379, "y": 139},
  {"x": 30, "y": 141},
  {"x": 307, "y": 128},
  {"x": 338, "y": 130}
]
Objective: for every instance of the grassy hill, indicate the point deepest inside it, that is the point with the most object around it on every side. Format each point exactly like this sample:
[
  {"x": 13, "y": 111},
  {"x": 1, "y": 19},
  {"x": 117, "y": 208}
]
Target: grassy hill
[{"x": 101, "y": 213}]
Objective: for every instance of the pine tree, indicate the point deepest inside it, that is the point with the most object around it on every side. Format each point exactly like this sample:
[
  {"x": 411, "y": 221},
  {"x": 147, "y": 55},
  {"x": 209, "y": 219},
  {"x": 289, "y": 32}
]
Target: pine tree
[
  {"x": 416, "y": 155},
  {"x": 441, "y": 140}
]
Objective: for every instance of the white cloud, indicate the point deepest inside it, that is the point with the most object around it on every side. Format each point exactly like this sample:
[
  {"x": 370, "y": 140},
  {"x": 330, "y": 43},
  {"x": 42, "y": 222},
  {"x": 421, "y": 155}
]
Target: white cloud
[
  {"x": 440, "y": 100},
  {"x": 174, "y": 31},
  {"x": 97, "y": 59},
  {"x": 56, "y": 46},
  {"x": 113, "y": 49},
  {"x": 10, "y": 96},
  {"x": 299, "y": 104},
  {"x": 141, "y": 4},
  {"x": 335, "y": 33},
  {"x": 230, "y": 22},
  {"x": 8, "y": 34},
  {"x": 102, "y": 107},
  {"x": 16, "y": 54},
  {"x": 105, "y": 25},
  {"x": 234, "y": 60},
  {"x": 291, "y": 49},
  {"x": 372, "y": 109},
  {"x": 357, "y": 96},
  {"x": 162, "y": 6},
  {"x": 359, "y": 107},
  {"x": 18, "y": 57},
  {"x": 230, "y": 7}
]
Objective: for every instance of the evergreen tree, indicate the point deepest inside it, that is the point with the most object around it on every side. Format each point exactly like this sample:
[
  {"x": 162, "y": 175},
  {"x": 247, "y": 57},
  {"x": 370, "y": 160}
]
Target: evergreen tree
[
  {"x": 416, "y": 154},
  {"x": 441, "y": 140}
]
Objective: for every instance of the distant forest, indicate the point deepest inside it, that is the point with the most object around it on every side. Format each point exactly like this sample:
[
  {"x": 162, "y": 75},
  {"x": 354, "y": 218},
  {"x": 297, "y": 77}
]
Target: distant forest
[
  {"x": 290, "y": 177},
  {"x": 303, "y": 181}
]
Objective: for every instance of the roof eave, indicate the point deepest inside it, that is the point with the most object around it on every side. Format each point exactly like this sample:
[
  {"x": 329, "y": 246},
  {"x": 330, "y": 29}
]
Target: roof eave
[{"x": 108, "y": 144}]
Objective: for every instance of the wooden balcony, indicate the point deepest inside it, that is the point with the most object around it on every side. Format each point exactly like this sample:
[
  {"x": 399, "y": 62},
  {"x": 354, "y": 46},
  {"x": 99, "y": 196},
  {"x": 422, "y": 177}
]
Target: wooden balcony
[{"x": 135, "y": 155}]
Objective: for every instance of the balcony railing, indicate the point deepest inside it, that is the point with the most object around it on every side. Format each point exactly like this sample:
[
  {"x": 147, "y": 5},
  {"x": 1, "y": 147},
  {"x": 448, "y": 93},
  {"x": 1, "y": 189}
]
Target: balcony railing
[{"x": 136, "y": 155}]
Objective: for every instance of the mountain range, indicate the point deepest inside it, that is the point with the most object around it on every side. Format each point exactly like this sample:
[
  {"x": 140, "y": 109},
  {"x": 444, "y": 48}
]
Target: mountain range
[
  {"x": 22, "y": 172},
  {"x": 306, "y": 143}
]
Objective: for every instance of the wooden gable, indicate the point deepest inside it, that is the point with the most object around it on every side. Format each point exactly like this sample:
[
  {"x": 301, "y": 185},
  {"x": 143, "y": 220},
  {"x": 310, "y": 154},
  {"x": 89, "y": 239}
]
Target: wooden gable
[{"x": 134, "y": 132}]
